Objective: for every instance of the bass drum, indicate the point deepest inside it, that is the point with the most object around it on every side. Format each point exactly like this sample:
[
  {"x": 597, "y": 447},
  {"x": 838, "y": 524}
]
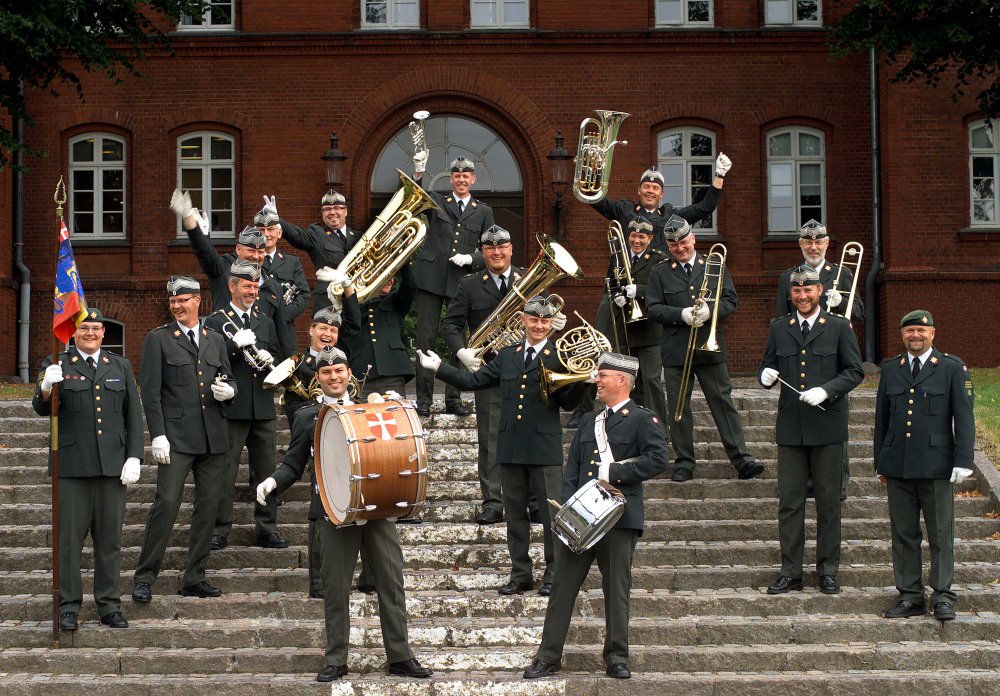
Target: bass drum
[{"x": 371, "y": 461}]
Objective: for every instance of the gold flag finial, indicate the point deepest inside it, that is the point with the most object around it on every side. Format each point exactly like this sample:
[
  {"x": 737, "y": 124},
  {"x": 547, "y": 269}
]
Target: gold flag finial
[{"x": 60, "y": 197}]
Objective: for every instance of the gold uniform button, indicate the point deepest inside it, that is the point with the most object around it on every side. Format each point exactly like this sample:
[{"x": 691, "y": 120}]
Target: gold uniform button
[
  {"x": 199, "y": 373},
  {"x": 98, "y": 409},
  {"x": 373, "y": 331},
  {"x": 99, "y": 432},
  {"x": 97, "y": 398},
  {"x": 907, "y": 422},
  {"x": 370, "y": 324},
  {"x": 911, "y": 401},
  {"x": 803, "y": 363},
  {"x": 520, "y": 406},
  {"x": 201, "y": 384},
  {"x": 458, "y": 225},
  {"x": 522, "y": 386},
  {"x": 98, "y": 420},
  {"x": 802, "y": 386},
  {"x": 802, "y": 374},
  {"x": 590, "y": 473},
  {"x": 519, "y": 416},
  {"x": 911, "y": 391},
  {"x": 96, "y": 386},
  {"x": 803, "y": 352},
  {"x": 203, "y": 407},
  {"x": 374, "y": 339},
  {"x": 907, "y": 434},
  {"x": 691, "y": 287},
  {"x": 522, "y": 396},
  {"x": 909, "y": 413}
]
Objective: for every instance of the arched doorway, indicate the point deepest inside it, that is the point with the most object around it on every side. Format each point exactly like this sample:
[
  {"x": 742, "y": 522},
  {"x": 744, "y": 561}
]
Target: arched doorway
[{"x": 498, "y": 178}]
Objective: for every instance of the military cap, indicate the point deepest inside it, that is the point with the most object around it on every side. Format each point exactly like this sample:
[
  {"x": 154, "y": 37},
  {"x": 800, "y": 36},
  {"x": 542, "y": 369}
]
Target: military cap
[
  {"x": 538, "y": 306},
  {"x": 676, "y": 229},
  {"x": 461, "y": 164},
  {"x": 94, "y": 315},
  {"x": 813, "y": 229},
  {"x": 245, "y": 270},
  {"x": 495, "y": 235},
  {"x": 918, "y": 317},
  {"x": 618, "y": 363},
  {"x": 640, "y": 225},
  {"x": 653, "y": 175},
  {"x": 805, "y": 275},
  {"x": 265, "y": 217},
  {"x": 251, "y": 237},
  {"x": 327, "y": 316},
  {"x": 330, "y": 356},
  {"x": 332, "y": 197},
  {"x": 182, "y": 285}
]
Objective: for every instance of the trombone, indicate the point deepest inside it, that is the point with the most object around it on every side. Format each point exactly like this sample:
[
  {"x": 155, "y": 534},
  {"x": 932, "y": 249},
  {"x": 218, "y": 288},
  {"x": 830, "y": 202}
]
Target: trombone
[
  {"x": 850, "y": 249},
  {"x": 716, "y": 257}
]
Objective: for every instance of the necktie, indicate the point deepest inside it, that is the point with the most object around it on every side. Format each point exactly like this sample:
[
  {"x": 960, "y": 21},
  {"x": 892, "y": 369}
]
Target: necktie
[
  {"x": 503, "y": 286},
  {"x": 191, "y": 338},
  {"x": 916, "y": 367},
  {"x": 529, "y": 355},
  {"x": 461, "y": 207},
  {"x": 245, "y": 318},
  {"x": 635, "y": 258},
  {"x": 267, "y": 262},
  {"x": 687, "y": 268},
  {"x": 93, "y": 365},
  {"x": 805, "y": 330}
]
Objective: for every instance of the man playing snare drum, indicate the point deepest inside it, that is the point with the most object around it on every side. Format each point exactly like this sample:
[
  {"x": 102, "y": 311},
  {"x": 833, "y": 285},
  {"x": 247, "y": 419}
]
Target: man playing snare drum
[
  {"x": 622, "y": 445},
  {"x": 341, "y": 544}
]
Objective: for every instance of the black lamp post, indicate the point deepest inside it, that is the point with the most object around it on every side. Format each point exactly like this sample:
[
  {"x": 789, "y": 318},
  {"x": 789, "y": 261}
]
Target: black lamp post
[
  {"x": 559, "y": 159},
  {"x": 333, "y": 163}
]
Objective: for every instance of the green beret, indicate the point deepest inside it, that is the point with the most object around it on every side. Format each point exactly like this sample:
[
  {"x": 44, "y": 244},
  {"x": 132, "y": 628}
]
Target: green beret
[
  {"x": 94, "y": 315},
  {"x": 918, "y": 317}
]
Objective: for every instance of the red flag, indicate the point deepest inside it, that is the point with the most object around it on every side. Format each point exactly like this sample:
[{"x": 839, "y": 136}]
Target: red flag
[{"x": 70, "y": 305}]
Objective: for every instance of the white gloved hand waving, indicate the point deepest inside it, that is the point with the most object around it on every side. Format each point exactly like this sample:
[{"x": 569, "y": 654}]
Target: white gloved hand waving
[
  {"x": 429, "y": 361},
  {"x": 814, "y": 396},
  {"x": 130, "y": 471},
  {"x": 266, "y": 487},
  {"x": 244, "y": 338},
  {"x": 722, "y": 165},
  {"x": 768, "y": 376},
  {"x": 161, "y": 449},
  {"x": 270, "y": 204},
  {"x": 469, "y": 359},
  {"x": 53, "y": 375},
  {"x": 180, "y": 203},
  {"x": 326, "y": 274}
]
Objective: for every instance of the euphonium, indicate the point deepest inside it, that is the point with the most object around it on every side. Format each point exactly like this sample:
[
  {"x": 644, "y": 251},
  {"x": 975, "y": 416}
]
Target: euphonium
[
  {"x": 850, "y": 249},
  {"x": 503, "y": 327},
  {"x": 390, "y": 240},
  {"x": 623, "y": 270},
  {"x": 250, "y": 352},
  {"x": 579, "y": 349},
  {"x": 286, "y": 374},
  {"x": 593, "y": 155}
]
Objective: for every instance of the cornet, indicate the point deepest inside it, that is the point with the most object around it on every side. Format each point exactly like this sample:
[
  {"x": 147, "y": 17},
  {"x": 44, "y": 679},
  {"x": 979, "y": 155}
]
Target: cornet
[
  {"x": 417, "y": 131},
  {"x": 250, "y": 352}
]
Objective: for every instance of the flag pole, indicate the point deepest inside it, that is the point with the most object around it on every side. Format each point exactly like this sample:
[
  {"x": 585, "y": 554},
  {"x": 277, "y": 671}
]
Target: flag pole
[{"x": 60, "y": 198}]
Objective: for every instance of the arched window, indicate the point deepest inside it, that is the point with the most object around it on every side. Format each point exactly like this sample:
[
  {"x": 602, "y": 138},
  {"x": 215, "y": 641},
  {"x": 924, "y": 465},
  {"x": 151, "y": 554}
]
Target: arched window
[
  {"x": 796, "y": 178},
  {"x": 114, "y": 337},
  {"x": 206, "y": 168},
  {"x": 983, "y": 154},
  {"x": 97, "y": 180},
  {"x": 686, "y": 158}
]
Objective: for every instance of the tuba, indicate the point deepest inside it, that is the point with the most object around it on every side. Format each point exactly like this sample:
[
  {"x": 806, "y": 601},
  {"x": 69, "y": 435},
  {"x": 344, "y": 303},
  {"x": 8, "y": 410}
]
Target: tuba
[
  {"x": 593, "y": 155},
  {"x": 578, "y": 349},
  {"x": 850, "y": 249},
  {"x": 503, "y": 327},
  {"x": 390, "y": 240}
]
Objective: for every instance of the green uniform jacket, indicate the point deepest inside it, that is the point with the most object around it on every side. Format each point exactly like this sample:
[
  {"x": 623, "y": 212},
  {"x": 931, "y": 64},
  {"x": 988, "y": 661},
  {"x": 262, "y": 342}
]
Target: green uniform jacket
[
  {"x": 827, "y": 274},
  {"x": 530, "y": 432},
  {"x": 474, "y": 301},
  {"x": 253, "y": 401},
  {"x": 176, "y": 384},
  {"x": 325, "y": 248},
  {"x": 924, "y": 428},
  {"x": 100, "y": 416},
  {"x": 625, "y": 210},
  {"x": 634, "y": 433},
  {"x": 669, "y": 291},
  {"x": 828, "y": 358},
  {"x": 299, "y": 456},
  {"x": 379, "y": 343},
  {"x": 644, "y": 332}
]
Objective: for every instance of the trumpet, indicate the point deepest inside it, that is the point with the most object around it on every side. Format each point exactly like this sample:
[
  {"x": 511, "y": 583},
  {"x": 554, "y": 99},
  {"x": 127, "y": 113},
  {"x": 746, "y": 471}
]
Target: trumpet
[
  {"x": 417, "y": 131},
  {"x": 850, "y": 249},
  {"x": 716, "y": 257},
  {"x": 593, "y": 155},
  {"x": 579, "y": 350},
  {"x": 623, "y": 270},
  {"x": 250, "y": 352}
]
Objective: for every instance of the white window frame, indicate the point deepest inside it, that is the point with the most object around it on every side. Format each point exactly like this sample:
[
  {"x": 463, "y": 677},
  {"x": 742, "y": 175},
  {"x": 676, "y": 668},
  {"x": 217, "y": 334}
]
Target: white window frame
[
  {"x": 686, "y": 160},
  {"x": 206, "y": 19},
  {"x": 684, "y": 21},
  {"x": 797, "y": 161},
  {"x": 98, "y": 167},
  {"x": 501, "y": 22},
  {"x": 793, "y": 20},
  {"x": 206, "y": 166},
  {"x": 119, "y": 347},
  {"x": 391, "y": 21},
  {"x": 992, "y": 153}
]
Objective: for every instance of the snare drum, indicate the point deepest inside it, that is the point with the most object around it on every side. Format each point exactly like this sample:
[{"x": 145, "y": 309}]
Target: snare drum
[
  {"x": 371, "y": 461},
  {"x": 587, "y": 516}
]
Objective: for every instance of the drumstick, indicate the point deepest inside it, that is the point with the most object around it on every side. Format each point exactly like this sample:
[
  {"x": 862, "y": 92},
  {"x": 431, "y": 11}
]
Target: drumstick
[
  {"x": 797, "y": 391},
  {"x": 555, "y": 503}
]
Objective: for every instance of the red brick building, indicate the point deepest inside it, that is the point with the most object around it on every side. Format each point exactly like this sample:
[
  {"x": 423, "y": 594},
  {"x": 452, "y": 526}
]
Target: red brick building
[{"x": 247, "y": 107}]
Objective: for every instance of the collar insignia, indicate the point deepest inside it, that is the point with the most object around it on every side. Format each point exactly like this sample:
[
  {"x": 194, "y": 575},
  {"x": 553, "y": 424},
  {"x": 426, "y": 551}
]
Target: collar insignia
[
  {"x": 902, "y": 361},
  {"x": 473, "y": 204},
  {"x": 624, "y": 411},
  {"x": 328, "y": 232},
  {"x": 701, "y": 262},
  {"x": 204, "y": 333},
  {"x": 177, "y": 333},
  {"x": 791, "y": 322},
  {"x": 280, "y": 255},
  {"x": 655, "y": 419},
  {"x": 637, "y": 209},
  {"x": 828, "y": 268},
  {"x": 965, "y": 368},
  {"x": 673, "y": 265},
  {"x": 822, "y": 320},
  {"x": 105, "y": 359},
  {"x": 484, "y": 277},
  {"x": 646, "y": 256},
  {"x": 934, "y": 360},
  {"x": 309, "y": 359},
  {"x": 519, "y": 348},
  {"x": 230, "y": 312},
  {"x": 448, "y": 199},
  {"x": 75, "y": 358},
  {"x": 546, "y": 351}
]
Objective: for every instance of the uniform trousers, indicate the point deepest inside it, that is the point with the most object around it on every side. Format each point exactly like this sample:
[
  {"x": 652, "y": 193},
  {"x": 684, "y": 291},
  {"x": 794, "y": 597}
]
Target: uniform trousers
[
  {"x": 94, "y": 504},
  {"x": 544, "y": 482},
  {"x": 259, "y": 438},
  {"x": 488, "y": 425},
  {"x": 340, "y": 547},
  {"x": 428, "y": 321},
  {"x": 208, "y": 472},
  {"x": 648, "y": 390},
  {"x": 936, "y": 499},
  {"x": 613, "y": 554},
  {"x": 796, "y": 465}
]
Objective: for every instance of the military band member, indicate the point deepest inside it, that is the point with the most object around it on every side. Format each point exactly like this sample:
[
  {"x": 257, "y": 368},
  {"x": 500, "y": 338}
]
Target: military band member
[
  {"x": 817, "y": 356},
  {"x": 251, "y": 415},
  {"x": 450, "y": 251},
  {"x": 286, "y": 269},
  {"x": 529, "y": 438},
  {"x": 100, "y": 452},
  {"x": 925, "y": 433},
  {"x": 340, "y": 545},
  {"x": 672, "y": 288},
  {"x": 621, "y": 446},
  {"x": 184, "y": 378}
]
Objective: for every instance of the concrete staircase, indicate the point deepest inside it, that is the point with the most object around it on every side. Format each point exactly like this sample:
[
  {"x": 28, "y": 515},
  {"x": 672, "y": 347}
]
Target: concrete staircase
[{"x": 701, "y": 623}]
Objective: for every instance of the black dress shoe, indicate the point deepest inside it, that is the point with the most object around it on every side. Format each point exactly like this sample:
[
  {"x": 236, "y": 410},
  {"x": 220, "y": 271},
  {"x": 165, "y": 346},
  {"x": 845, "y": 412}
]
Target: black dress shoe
[
  {"x": 331, "y": 673},
  {"x": 546, "y": 589},
  {"x": 459, "y": 410},
  {"x": 785, "y": 584},
  {"x": 219, "y": 542},
  {"x": 751, "y": 470},
  {"x": 535, "y": 517},
  {"x": 828, "y": 585},
  {"x": 114, "y": 620},
  {"x": 542, "y": 669},
  {"x": 489, "y": 516},
  {"x": 905, "y": 609},
  {"x": 317, "y": 594},
  {"x": 618, "y": 670},
  {"x": 410, "y": 668},
  {"x": 810, "y": 492},
  {"x": 366, "y": 589},
  {"x": 200, "y": 589},
  {"x": 271, "y": 541},
  {"x": 944, "y": 611},
  {"x": 575, "y": 418},
  {"x": 67, "y": 621},
  {"x": 423, "y": 409},
  {"x": 681, "y": 474},
  {"x": 514, "y": 587},
  {"x": 141, "y": 593}
]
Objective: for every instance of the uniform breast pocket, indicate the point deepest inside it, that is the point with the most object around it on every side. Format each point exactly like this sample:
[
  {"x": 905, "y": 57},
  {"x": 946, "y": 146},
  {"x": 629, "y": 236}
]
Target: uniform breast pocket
[
  {"x": 425, "y": 254},
  {"x": 897, "y": 398},
  {"x": 179, "y": 371},
  {"x": 74, "y": 395},
  {"x": 934, "y": 397},
  {"x": 214, "y": 367},
  {"x": 786, "y": 360},
  {"x": 117, "y": 392},
  {"x": 826, "y": 359}
]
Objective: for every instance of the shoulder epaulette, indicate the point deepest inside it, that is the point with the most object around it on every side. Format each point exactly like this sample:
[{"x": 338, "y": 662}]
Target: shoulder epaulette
[
  {"x": 889, "y": 360},
  {"x": 781, "y": 317},
  {"x": 954, "y": 357}
]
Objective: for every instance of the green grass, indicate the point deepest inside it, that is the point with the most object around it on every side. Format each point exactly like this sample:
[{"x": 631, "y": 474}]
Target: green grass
[
  {"x": 987, "y": 410},
  {"x": 16, "y": 391}
]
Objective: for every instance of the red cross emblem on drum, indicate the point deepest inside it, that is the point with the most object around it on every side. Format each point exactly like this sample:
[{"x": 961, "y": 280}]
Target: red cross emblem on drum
[{"x": 382, "y": 425}]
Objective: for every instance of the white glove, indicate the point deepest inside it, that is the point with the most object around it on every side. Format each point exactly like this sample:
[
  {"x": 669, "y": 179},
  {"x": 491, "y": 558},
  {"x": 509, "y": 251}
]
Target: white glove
[
  {"x": 702, "y": 314},
  {"x": 592, "y": 378},
  {"x": 833, "y": 298},
  {"x": 429, "y": 361},
  {"x": 269, "y": 204},
  {"x": 461, "y": 260},
  {"x": 53, "y": 375},
  {"x": 559, "y": 321},
  {"x": 620, "y": 300},
  {"x": 419, "y": 162},
  {"x": 180, "y": 203},
  {"x": 469, "y": 359},
  {"x": 326, "y": 274},
  {"x": 266, "y": 486},
  {"x": 959, "y": 474},
  {"x": 130, "y": 472},
  {"x": 814, "y": 396},
  {"x": 265, "y": 356},
  {"x": 244, "y": 338},
  {"x": 630, "y": 291},
  {"x": 202, "y": 220},
  {"x": 687, "y": 314},
  {"x": 722, "y": 165},
  {"x": 768, "y": 376},
  {"x": 222, "y": 391},
  {"x": 393, "y": 396},
  {"x": 161, "y": 449},
  {"x": 604, "y": 471}
]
